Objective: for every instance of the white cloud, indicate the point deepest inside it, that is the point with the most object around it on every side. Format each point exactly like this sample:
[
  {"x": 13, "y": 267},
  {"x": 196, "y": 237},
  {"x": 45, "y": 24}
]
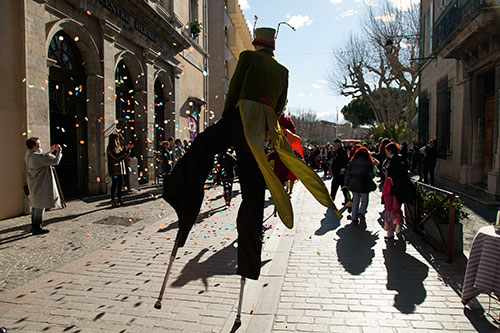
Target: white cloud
[
  {"x": 316, "y": 86},
  {"x": 369, "y": 3},
  {"x": 389, "y": 17},
  {"x": 298, "y": 21},
  {"x": 336, "y": 1},
  {"x": 304, "y": 95},
  {"x": 244, "y": 4},
  {"x": 404, "y": 4},
  {"x": 349, "y": 12},
  {"x": 322, "y": 81}
]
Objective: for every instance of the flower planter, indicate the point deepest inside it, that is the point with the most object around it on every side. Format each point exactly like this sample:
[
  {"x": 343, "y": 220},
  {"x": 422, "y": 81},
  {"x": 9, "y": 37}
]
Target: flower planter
[{"x": 458, "y": 244}]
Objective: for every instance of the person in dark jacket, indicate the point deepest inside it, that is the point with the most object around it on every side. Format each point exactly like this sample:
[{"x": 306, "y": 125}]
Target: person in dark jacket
[
  {"x": 116, "y": 166},
  {"x": 227, "y": 162},
  {"x": 359, "y": 179},
  {"x": 339, "y": 164},
  {"x": 429, "y": 161},
  {"x": 398, "y": 189}
]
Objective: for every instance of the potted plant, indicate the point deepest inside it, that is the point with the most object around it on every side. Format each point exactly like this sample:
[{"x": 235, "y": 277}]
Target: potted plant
[
  {"x": 196, "y": 28},
  {"x": 441, "y": 218}
]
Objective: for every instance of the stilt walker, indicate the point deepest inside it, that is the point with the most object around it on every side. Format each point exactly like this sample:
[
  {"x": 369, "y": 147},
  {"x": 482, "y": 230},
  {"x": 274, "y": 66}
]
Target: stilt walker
[{"x": 255, "y": 100}]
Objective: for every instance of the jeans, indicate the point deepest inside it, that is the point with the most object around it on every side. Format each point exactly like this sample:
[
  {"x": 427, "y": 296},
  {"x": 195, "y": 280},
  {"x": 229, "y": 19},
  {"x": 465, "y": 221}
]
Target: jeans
[
  {"x": 36, "y": 218},
  {"x": 358, "y": 198}
]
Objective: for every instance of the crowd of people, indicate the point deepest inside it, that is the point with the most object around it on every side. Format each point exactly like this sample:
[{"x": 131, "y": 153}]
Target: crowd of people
[{"x": 354, "y": 167}]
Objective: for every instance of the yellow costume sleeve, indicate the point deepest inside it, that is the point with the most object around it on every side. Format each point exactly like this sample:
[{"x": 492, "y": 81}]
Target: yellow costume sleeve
[{"x": 255, "y": 116}]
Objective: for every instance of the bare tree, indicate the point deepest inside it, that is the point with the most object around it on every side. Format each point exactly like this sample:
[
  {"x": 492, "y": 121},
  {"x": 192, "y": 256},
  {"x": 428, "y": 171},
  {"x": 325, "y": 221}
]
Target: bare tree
[{"x": 379, "y": 63}]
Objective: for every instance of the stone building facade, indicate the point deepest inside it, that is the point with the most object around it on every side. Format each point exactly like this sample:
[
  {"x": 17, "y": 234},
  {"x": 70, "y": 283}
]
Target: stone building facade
[
  {"x": 228, "y": 37},
  {"x": 79, "y": 70},
  {"x": 459, "y": 97}
]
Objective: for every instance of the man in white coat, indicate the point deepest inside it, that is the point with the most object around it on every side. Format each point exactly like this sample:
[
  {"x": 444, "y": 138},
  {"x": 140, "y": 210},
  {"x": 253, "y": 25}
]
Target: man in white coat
[{"x": 41, "y": 181}]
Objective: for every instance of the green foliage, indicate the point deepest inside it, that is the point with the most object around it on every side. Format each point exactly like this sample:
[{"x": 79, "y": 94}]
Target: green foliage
[
  {"x": 432, "y": 200},
  {"x": 397, "y": 132},
  {"x": 358, "y": 112},
  {"x": 196, "y": 28}
]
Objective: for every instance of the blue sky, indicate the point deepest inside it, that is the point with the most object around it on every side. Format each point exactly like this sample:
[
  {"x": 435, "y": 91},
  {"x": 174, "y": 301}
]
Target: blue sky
[{"x": 322, "y": 25}]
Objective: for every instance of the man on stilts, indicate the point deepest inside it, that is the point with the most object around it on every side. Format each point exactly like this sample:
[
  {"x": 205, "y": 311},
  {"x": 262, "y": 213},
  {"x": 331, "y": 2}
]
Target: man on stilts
[{"x": 256, "y": 98}]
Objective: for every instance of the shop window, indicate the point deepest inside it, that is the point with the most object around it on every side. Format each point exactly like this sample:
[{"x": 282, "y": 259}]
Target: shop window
[{"x": 443, "y": 121}]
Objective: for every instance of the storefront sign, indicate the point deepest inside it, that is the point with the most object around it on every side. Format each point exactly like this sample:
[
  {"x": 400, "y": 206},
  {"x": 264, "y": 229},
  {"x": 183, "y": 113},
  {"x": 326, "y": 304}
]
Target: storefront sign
[{"x": 124, "y": 16}]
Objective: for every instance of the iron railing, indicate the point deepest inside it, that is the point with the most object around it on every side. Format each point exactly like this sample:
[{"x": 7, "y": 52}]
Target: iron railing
[
  {"x": 418, "y": 219},
  {"x": 456, "y": 13}
]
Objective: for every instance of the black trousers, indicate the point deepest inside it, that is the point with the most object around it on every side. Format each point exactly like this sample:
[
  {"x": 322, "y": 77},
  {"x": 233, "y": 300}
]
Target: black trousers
[
  {"x": 338, "y": 181},
  {"x": 116, "y": 186},
  {"x": 184, "y": 188},
  {"x": 428, "y": 174}
]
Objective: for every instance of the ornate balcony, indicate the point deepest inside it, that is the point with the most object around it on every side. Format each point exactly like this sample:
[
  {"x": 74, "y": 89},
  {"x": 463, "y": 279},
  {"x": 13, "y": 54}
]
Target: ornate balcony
[{"x": 456, "y": 15}]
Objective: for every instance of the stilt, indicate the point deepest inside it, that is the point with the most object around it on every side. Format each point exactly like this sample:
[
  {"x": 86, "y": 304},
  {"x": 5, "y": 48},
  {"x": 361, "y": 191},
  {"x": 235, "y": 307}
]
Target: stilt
[
  {"x": 240, "y": 302},
  {"x": 169, "y": 268}
]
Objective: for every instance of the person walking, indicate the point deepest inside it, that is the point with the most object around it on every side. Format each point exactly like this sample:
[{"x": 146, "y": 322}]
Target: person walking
[
  {"x": 429, "y": 161},
  {"x": 255, "y": 100},
  {"x": 43, "y": 190},
  {"x": 227, "y": 162},
  {"x": 397, "y": 189},
  {"x": 339, "y": 164},
  {"x": 359, "y": 180},
  {"x": 116, "y": 166}
]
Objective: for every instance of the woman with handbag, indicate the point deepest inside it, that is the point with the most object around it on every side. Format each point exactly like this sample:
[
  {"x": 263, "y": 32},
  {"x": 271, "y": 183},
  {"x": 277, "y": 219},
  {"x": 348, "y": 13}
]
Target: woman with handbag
[
  {"x": 359, "y": 180},
  {"x": 395, "y": 190}
]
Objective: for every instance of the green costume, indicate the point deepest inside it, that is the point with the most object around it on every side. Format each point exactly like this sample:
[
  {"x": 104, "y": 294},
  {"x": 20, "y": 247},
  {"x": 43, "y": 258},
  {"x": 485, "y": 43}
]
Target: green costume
[{"x": 257, "y": 95}]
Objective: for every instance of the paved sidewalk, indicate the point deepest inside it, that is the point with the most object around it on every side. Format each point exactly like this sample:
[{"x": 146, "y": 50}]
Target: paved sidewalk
[{"x": 323, "y": 275}]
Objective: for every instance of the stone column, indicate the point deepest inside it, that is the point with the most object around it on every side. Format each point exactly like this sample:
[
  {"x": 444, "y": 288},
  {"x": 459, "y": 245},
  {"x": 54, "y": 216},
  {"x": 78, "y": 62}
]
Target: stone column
[
  {"x": 37, "y": 74},
  {"x": 107, "y": 122},
  {"x": 150, "y": 56},
  {"x": 95, "y": 135},
  {"x": 494, "y": 174}
]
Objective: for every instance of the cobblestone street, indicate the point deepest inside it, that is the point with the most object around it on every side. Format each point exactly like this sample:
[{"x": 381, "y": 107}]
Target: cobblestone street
[{"x": 100, "y": 270}]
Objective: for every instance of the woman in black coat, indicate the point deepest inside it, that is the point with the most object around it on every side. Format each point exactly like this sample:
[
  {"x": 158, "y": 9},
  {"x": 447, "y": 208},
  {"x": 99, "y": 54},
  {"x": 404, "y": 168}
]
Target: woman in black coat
[
  {"x": 359, "y": 179},
  {"x": 116, "y": 166}
]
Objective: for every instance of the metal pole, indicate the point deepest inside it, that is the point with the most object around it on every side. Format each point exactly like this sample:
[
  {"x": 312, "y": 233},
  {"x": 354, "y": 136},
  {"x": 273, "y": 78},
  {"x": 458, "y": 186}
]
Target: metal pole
[
  {"x": 451, "y": 230},
  {"x": 240, "y": 302},
  {"x": 172, "y": 258}
]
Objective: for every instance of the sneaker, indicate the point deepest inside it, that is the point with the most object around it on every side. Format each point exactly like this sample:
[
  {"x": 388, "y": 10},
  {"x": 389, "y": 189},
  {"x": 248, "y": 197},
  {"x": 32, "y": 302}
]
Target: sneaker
[
  {"x": 355, "y": 222},
  {"x": 389, "y": 236},
  {"x": 114, "y": 203},
  {"x": 40, "y": 232}
]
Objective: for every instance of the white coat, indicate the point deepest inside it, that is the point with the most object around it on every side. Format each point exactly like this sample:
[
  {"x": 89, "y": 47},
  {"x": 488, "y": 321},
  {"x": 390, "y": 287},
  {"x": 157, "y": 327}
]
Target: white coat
[{"x": 41, "y": 181}]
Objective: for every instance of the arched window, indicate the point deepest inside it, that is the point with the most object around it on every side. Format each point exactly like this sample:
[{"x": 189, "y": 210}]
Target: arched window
[
  {"x": 67, "y": 113},
  {"x": 125, "y": 103}
]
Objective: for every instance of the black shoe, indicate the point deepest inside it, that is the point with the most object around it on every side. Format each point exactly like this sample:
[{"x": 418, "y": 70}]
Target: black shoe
[{"x": 40, "y": 232}]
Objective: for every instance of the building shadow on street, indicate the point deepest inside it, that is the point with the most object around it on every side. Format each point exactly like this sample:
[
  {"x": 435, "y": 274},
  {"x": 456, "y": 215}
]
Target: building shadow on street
[
  {"x": 23, "y": 231},
  {"x": 328, "y": 223},
  {"x": 405, "y": 275},
  {"x": 355, "y": 248},
  {"x": 222, "y": 262}
]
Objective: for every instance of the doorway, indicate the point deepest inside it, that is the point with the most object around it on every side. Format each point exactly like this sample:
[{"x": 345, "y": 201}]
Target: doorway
[{"x": 67, "y": 112}]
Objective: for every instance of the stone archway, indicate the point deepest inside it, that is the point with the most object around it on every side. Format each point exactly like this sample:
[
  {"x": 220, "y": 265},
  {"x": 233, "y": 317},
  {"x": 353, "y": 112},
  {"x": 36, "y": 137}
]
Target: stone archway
[
  {"x": 131, "y": 107},
  {"x": 89, "y": 164}
]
